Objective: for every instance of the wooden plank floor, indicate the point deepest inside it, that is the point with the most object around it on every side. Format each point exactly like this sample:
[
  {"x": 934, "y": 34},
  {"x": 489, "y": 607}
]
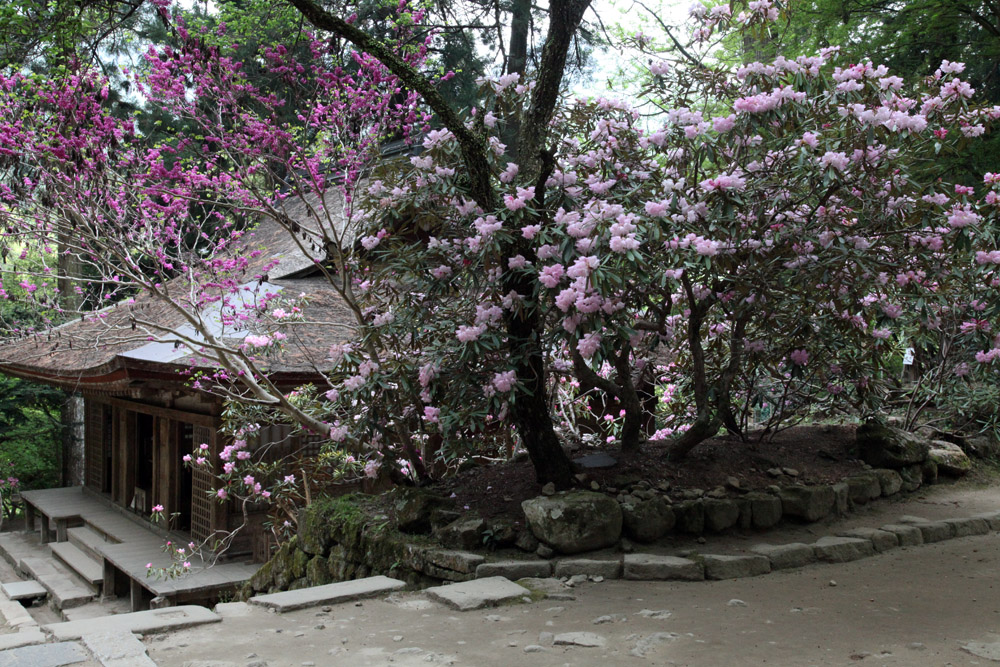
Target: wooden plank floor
[
  {"x": 62, "y": 503},
  {"x": 132, "y": 558},
  {"x": 137, "y": 546}
]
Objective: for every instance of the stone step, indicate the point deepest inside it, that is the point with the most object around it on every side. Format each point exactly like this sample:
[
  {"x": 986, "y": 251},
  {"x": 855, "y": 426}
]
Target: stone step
[
  {"x": 64, "y": 587},
  {"x": 86, "y": 567},
  {"x": 478, "y": 593},
  {"x": 45, "y": 655},
  {"x": 329, "y": 594},
  {"x": 88, "y": 541},
  {"x": 23, "y": 590},
  {"x": 140, "y": 622}
]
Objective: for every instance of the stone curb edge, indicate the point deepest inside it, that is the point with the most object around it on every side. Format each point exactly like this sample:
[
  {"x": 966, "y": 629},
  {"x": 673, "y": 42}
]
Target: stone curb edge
[{"x": 844, "y": 546}]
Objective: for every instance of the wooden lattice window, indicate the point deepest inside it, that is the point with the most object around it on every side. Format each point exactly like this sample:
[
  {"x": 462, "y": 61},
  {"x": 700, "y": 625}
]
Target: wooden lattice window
[{"x": 202, "y": 505}]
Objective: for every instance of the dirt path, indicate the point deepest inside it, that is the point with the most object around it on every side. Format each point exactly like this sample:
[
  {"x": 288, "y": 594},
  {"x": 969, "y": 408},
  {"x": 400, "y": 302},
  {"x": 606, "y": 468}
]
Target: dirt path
[{"x": 913, "y": 606}]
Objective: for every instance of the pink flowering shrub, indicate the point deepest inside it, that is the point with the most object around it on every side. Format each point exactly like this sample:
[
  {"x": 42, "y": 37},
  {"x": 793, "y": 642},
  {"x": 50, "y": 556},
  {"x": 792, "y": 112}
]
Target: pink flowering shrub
[{"x": 781, "y": 250}]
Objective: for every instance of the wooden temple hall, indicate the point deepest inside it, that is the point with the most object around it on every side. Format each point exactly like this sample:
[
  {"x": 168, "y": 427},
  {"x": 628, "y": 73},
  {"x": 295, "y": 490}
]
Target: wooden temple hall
[{"x": 141, "y": 418}]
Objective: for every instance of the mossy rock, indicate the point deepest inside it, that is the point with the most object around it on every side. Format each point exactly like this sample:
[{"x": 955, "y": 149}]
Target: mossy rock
[
  {"x": 299, "y": 583},
  {"x": 297, "y": 563},
  {"x": 466, "y": 532},
  {"x": 574, "y": 521},
  {"x": 502, "y": 532},
  {"x": 647, "y": 520},
  {"x": 690, "y": 516},
  {"x": 323, "y": 522},
  {"x": 949, "y": 458},
  {"x": 318, "y": 571},
  {"x": 262, "y": 578}
]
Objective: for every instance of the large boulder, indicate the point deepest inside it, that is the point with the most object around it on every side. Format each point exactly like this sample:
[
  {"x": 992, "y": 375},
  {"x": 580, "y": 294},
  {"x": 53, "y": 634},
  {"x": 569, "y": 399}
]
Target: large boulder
[
  {"x": 574, "y": 521},
  {"x": 647, "y": 520},
  {"x": 882, "y": 446},
  {"x": 950, "y": 458}
]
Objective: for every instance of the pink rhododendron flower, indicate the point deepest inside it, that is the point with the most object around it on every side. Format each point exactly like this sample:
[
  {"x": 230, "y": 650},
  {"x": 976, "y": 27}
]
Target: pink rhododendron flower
[
  {"x": 509, "y": 173},
  {"x": 588, "y": 345},
  {"x": 529, "y": 231},
  {"x": 505, "y": 381},
  {"x": 468, "y": 334},
  {"x": 837, "y": 160},
  {"x": 551, "y": 275},
  {"x": 988, "y": 356}
]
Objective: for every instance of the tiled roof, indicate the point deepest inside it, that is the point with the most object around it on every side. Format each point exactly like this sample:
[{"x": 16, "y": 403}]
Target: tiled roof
[{"x": 105, "y": 353}]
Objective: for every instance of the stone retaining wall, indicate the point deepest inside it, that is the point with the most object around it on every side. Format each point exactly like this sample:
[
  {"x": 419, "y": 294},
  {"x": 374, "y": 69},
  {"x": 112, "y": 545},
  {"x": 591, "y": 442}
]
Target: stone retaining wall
[{"x": 340, "y": 539}]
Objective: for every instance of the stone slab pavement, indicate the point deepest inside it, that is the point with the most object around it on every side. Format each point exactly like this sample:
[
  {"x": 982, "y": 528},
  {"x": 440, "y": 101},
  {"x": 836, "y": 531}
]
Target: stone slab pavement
[
  {"x": 117, "y": 649},
  {"x": 44, "y": 655}
]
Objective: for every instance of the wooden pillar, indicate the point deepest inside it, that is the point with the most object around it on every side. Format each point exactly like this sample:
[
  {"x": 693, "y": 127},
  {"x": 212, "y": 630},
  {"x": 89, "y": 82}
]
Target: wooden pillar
[
  {"x": 29, "y": 517},
  {"x": 119, "y": 456},
  {"x": 164, "y": 443},
  {"x": 108, "y": 590},
  {"x": 135, "y": 595},
  {"x": 128, "y": 457}
]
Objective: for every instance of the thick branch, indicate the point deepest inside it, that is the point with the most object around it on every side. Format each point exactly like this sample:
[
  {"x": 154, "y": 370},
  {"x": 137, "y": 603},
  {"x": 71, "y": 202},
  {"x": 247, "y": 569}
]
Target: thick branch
[
  {"x": 564, "y": 18},
  {"x": 474, "y": 147}
]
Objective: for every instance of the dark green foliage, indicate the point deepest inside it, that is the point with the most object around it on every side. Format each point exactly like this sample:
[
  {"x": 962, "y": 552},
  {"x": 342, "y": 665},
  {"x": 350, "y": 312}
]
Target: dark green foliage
[{"x": 30, "y": 432}]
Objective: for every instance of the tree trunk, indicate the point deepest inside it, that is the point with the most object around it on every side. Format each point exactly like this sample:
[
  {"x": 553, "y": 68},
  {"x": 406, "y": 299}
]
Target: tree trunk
[
  {"x": 705, "y": 426},
  {"x": 530, "y": 408},
  {"x": 547, "y": 456},
  {"x": 72, "y": 418},
  {"x": 630, "y": 402}
]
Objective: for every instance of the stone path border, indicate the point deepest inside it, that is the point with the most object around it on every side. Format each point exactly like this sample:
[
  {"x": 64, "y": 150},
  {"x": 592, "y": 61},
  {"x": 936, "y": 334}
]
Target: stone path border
[{"x": 844, "y": 546}]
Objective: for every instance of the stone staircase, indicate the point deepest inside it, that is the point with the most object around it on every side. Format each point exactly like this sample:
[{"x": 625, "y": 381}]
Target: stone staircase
[
  {"x": 79, "y": 555},
  {"x": 93, "y": 539},
  {"x": 71, "y": 572}
]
